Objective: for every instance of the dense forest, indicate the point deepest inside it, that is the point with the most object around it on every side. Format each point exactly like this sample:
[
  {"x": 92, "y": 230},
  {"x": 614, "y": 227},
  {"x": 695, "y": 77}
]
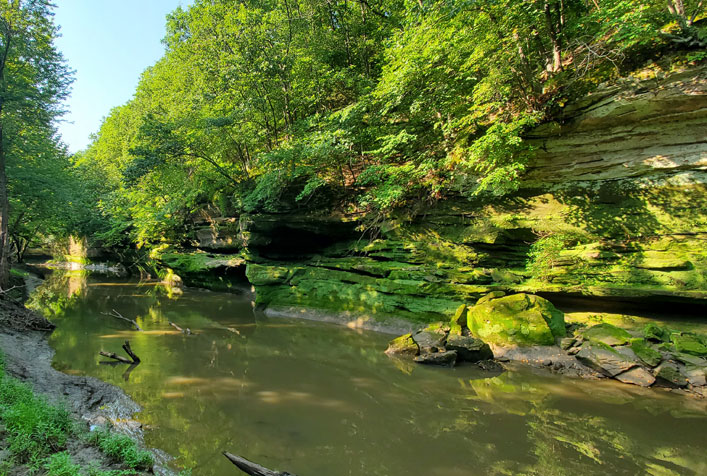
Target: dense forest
[{"x": 364, "y": 106}]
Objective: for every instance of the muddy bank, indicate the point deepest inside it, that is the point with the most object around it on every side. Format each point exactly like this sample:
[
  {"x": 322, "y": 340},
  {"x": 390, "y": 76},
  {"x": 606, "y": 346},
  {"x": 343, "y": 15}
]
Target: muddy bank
[{"x": 28, "y": 357}]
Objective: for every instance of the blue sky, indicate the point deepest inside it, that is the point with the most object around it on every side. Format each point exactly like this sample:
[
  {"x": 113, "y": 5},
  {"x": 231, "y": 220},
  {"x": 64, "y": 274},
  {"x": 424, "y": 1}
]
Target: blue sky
[{"x": 109, "y": 43}]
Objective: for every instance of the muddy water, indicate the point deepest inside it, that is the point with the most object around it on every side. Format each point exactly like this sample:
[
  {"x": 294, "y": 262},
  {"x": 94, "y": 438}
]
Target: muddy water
[{"x": 321, "y": 400}]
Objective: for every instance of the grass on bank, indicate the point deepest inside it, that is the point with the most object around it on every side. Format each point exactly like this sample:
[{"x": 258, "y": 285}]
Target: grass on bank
[{"x": 36, "y": 435}]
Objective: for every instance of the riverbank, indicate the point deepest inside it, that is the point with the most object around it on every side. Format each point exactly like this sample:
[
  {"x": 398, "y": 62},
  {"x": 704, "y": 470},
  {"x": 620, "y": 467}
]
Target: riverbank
[{"x": 87, "y": 403}]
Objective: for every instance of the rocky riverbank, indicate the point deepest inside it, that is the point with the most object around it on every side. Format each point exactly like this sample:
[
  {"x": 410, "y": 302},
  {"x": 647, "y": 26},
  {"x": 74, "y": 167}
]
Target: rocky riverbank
[
  {"x": 93, "y": 403},
  {"x": 529, "y": 328}
]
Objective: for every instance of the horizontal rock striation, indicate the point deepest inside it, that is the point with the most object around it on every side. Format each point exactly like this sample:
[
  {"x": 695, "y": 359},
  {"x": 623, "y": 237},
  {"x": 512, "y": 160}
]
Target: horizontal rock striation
[{"x": 614, "y": 204}]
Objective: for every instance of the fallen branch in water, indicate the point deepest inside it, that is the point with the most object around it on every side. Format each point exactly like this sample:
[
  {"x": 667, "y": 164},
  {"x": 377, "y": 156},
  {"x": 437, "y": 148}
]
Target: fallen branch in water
[
  {"x": 251, "y": 468},
  {"x": 129, "y": 351},
  {"x": 113, "y": 355},
  {"x": 118, "y": 315},
  {"x": 187, "y": 331},
  {"x": 126, "y": 347}
]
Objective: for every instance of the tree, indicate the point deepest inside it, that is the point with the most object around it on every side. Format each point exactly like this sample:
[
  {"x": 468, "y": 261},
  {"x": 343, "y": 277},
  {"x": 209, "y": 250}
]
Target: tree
[{"x": 33, "y": 81}]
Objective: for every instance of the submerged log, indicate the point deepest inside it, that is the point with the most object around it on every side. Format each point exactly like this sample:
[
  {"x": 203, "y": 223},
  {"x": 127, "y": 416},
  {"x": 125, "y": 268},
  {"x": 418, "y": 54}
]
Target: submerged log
[
  {"x": 187, "y": 331},
  {"x": 118, "y": 315},
  {"x": 113, "y": 355},
  {"x": 251, "y": 468}
]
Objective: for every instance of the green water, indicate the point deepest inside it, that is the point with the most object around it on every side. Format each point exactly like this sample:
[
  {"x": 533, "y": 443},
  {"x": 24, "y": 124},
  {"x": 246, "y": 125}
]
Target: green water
[{"x": 321, "y": 400}]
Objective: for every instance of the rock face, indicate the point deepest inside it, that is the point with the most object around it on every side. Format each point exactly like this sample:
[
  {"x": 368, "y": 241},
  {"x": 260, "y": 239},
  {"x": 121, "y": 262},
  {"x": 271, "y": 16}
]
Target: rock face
[
  {"x": 614, "y": 204},
  {"x": 519, "y": 319}
]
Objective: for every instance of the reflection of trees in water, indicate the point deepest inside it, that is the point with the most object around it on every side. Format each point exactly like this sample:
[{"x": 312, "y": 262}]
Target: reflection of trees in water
[
  {"x": 308, "y": 398},
  {"x": 582, "y": 429},
  {"x": 59, "y": 291}
]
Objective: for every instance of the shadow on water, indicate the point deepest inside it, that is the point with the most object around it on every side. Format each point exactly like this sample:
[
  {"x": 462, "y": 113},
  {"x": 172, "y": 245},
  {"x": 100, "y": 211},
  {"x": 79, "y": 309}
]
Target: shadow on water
[{"x": 318, "y": 399}]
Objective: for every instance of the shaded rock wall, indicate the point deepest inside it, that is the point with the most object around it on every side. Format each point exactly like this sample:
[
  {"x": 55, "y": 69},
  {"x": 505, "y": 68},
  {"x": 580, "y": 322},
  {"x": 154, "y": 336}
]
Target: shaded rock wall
[{"x": 614, "y": 204}]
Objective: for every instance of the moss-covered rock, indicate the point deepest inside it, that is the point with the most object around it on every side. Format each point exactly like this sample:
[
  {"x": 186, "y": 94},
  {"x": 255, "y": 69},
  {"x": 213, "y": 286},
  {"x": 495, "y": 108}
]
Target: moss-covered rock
[
  {"x": 646, "y": 353},
  {"x": 670, "y": 374},
  {"x": 260, "y": 275},
  {"x": 403, "y": 345},
  {"x": 469, "y": 349},
  {"x": 458, "y": 322},
  {"x": 655, "y": 333},
  {"x": 690, "y": 344},
  {"x": 607, "y": 334},
  {"x": 519, "y": 319},
  {"x": 491, "y": 296},
  {"x": 604, "y": 359}
]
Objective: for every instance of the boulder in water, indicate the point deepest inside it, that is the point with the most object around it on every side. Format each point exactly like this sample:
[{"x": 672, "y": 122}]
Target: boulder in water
[
  {"x": 447, "y": 358},
  {"x": 403, "y": 345},
  {"x": 516, "y": 320},
  {"x": 468, "y": 348}
]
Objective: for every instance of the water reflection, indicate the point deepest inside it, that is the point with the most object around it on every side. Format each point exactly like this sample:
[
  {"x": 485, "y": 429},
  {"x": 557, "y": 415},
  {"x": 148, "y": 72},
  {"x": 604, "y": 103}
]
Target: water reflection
[{"x": 317, "y": 399}]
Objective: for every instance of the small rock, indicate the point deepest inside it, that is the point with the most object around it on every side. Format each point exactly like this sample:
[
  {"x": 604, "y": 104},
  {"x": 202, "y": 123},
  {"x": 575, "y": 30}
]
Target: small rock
[
  {"x": 655, "y": 333},
  {"x": 689, "y": 344},
  {"x": 604, "y": 359},
  {"x": 637, "y": 376},
  {"x": 689, "y": 360},
  {"x": 490, "y": 366},
  {"x": 645, "y": 352},
  {"x": 574, "y": 350},
  {"x": 469, "y": 349},
  {"x": 490, "y": 296},
  {"x": 696, "y": 377},
  {"x": 567, "y": 342},
  {"x": 403, "y": 345},
  {"x": 448, "y": 358},
  {"x": 607, "y": 334},
  {"x": 669, "y": 374},
  {"x": 429, "y": 342}
]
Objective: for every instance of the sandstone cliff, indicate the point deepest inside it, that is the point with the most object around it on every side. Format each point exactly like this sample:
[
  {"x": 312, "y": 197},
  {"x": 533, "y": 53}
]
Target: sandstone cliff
[{"x": 614, "y": 204}]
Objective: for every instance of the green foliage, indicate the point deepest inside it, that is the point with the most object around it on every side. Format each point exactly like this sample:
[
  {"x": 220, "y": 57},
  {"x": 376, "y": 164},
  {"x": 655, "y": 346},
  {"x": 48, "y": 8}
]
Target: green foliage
[
  {"x": 34, "y": 428},
  {"x": 272, "y": 106},
  {"x": 122, "y": 449},
  {"x": 35, "y": 172},
  {"x": 546, "y": 253},
  {"x": 61, "y": 464}
]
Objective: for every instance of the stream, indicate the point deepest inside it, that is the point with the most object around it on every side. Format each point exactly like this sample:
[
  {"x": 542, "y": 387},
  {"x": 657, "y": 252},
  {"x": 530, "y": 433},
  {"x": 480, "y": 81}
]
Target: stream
[{"x": 318, "y": 399}]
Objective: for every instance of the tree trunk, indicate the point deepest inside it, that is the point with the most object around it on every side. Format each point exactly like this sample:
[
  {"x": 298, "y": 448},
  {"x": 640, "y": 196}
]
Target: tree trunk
[{"x": 4, "y": 213}]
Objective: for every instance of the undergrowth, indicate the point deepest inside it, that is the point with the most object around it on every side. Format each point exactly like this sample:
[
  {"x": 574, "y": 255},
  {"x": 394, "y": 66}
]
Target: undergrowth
[{"x": 37, "y": 432}]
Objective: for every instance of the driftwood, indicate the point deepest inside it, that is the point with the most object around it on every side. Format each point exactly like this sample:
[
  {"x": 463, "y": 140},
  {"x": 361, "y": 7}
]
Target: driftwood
[
  {"x": 118, "y": 315},
  {"x": 129, "y": 351},
  {"x": 254, "y": 469},
  {"x": 126, "y": 347},
  {"x": 113, "y": 355},
  {"x": 186, "y": 331}
]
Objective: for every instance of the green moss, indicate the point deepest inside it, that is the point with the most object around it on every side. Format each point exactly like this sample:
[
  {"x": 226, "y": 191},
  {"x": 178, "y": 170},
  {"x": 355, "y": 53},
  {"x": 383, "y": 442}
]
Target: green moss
[
  {"x": 491, "y": 296},
  {"x": 260, "y": 275},
  {"x": 690, "y": 344},
  {"x": 403, "y": 345},
  {"x": 656, "y": 333},
  {"x": 607, "y": 334},
  {"x": 519, "y": 319},
  {"x": 645, "y": 352}
]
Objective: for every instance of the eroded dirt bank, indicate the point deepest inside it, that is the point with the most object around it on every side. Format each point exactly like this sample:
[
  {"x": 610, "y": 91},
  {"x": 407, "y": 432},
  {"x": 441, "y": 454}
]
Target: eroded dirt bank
[{"x": 28, "y": 357}]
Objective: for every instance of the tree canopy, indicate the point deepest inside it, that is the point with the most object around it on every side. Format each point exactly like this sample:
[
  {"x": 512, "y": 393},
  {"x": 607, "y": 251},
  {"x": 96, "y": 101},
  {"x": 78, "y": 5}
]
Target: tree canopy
[
  {"x": 365, "y": 105},
  {"x": 33, "y": 80}
]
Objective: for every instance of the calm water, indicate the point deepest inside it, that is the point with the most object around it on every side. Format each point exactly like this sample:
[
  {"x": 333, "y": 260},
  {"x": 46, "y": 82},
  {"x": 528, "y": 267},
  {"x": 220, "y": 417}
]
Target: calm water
[{"x": 322, "y": 400}]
